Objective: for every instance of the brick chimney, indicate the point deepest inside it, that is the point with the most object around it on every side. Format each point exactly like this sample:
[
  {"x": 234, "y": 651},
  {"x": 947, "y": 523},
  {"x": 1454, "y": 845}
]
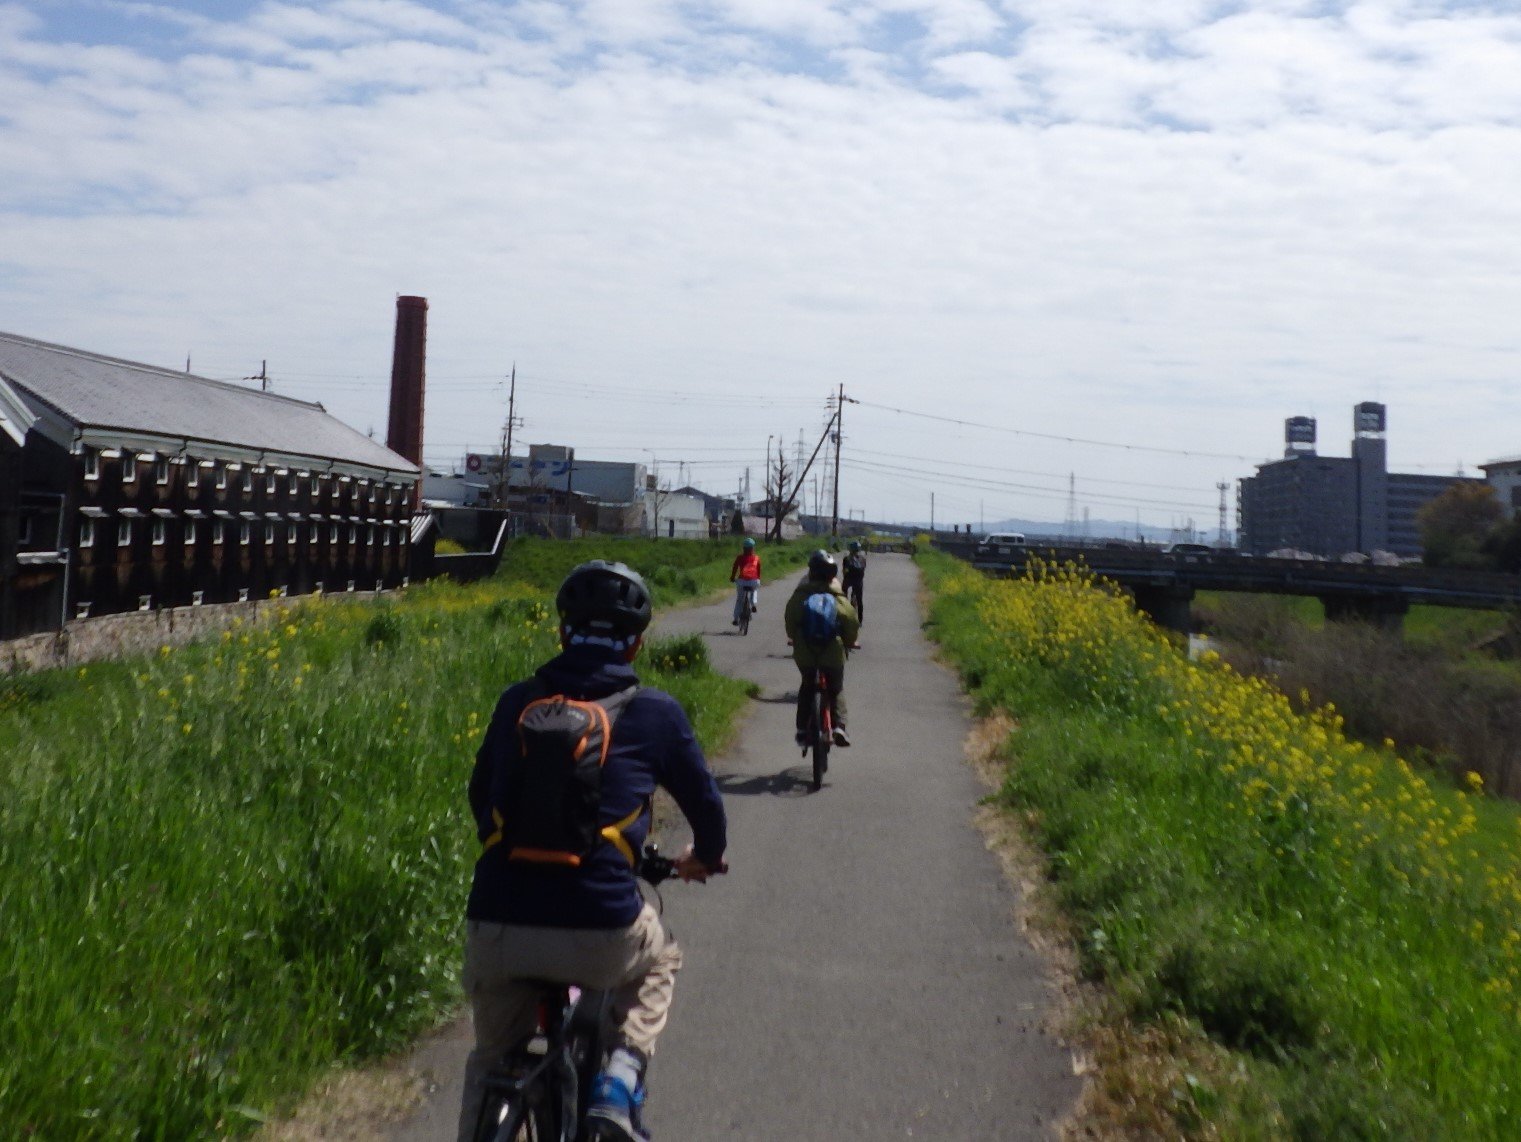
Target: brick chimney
[{"x": 404, "y": 433}]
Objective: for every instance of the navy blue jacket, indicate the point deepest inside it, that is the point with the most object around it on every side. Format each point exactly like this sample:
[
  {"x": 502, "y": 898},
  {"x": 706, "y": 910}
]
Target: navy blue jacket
[{"x": 652, "y": 745}]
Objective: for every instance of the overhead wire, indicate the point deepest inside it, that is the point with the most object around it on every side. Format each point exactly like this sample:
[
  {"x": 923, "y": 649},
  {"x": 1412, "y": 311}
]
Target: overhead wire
[
  {"x": 1037, "y": 490},
  {"x": 1193, "y": 453}
]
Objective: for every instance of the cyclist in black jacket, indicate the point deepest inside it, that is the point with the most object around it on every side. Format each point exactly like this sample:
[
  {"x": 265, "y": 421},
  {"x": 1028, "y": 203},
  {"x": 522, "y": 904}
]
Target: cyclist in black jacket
[
  {"x": 586, "y": 925},
  {"x": 853, "y": 578}
]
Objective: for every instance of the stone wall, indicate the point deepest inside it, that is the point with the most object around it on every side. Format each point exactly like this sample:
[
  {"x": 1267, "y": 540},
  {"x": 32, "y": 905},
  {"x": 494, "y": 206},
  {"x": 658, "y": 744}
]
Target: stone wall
[{"x": 134, "y": 633}]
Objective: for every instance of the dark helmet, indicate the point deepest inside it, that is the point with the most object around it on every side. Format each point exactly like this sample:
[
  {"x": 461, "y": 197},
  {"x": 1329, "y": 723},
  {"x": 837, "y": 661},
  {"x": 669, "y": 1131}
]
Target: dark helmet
[
  {"x": 855, "y": 545},
  {"x": 603, "y": 594},
  {"x": 821, "y": 565},
  {"x": 749, "y": 543}
]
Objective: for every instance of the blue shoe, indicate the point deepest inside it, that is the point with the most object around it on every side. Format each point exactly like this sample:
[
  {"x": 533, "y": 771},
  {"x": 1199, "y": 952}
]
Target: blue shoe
[{"x": 614, "y": 1113}]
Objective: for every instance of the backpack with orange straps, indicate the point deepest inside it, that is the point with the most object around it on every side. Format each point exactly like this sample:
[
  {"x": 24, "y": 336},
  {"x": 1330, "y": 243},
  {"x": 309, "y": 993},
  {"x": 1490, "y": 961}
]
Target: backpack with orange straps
[{"x": 547, "y": 805}]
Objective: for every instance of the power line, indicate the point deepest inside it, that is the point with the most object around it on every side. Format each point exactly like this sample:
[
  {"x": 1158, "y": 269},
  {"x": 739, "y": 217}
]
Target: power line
[
  {"x": 1023, "y": 471},
  {"x": 1061, "y": 439},
  {"x": 1039, "y": 491}
]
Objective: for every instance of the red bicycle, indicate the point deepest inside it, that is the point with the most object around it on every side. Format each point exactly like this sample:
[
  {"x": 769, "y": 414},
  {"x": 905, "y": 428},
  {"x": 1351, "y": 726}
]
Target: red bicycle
[{"x": 820, "y": 727}]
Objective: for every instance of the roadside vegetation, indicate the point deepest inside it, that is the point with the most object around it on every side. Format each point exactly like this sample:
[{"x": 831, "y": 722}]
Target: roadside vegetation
[
  {"x": 229, "y": 865},
  {"x": 1290, "y": 933},
  {"x": 1426, "y": 688}
]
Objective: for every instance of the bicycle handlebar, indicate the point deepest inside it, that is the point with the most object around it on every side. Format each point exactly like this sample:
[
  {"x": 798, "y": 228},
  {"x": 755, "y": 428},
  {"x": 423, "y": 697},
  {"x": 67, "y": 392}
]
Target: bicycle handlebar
[{"x": 654, "y": 866}]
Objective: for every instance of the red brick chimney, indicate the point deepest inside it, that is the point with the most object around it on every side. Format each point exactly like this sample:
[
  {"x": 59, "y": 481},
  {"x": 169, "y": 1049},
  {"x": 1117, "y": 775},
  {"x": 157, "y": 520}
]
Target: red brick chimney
[{"x": 404, "y": 433}]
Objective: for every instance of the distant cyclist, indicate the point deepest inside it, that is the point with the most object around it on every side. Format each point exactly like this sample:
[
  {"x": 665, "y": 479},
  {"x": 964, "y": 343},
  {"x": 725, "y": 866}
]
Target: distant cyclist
[
  {"x": 821, "y": 623},
  {"x": 554, "y": 896},
  {"x": 853, "y": 576},
  {"x": 745, "y": 575}
]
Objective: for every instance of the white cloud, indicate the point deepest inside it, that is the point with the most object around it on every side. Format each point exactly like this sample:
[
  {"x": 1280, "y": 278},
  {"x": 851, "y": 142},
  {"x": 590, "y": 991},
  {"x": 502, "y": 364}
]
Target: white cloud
[{"x": 1172, "y": 223}]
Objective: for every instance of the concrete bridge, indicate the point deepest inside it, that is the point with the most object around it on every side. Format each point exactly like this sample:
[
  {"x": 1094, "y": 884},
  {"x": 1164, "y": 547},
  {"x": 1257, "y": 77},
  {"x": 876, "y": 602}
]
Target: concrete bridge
[{"x": 1164, "y": 584}]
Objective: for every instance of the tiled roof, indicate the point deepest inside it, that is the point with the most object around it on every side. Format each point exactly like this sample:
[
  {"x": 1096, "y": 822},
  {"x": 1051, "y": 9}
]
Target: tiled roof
[{"x": 96, "y": 392}]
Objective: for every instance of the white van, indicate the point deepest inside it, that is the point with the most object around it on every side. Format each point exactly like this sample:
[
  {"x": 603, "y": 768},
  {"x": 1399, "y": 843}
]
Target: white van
[{"x": 1001, "y": 543}]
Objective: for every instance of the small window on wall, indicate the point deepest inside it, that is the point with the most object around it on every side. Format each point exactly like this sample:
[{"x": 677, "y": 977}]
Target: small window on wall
[
  {"x": 353, "y": 533},
  {"x": 221, "y": 471},
  {"x": 190, "y": 533},
  {"x": 218, "y": 532},
  {"x": 128, "y": 467},
  {"x": 158, "y": 533},
  {"x": 333, "y": 534},
  {"x": 92, "y": 464},
  {"x": 87, "y": 532},
  {"x": 269, "y": 534},
  {"x": 248, "y": 479},
  {"x": 292, "y": 534},
  {"x": 369, "y": 540},
  {"x": 273, "y": 483},
  {"x": 124, "y": 533},
  {"x": 161, "y": 471},
  {"x": 316, "y": 533},
  {"x": 24, "y": 534},
  {"x": 245, "y": 534},
  {"x": 192, "y": 473},
  {"x": 295, "y": 484}
]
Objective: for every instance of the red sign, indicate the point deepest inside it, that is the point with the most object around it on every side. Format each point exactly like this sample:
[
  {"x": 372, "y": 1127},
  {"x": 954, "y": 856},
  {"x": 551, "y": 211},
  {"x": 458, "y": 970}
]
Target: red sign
[{"x": 473, "y": 462}]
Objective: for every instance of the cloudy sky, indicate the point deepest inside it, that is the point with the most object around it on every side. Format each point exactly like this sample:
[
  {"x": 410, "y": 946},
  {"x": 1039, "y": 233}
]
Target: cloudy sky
[{"x": 1064, "y": 252}]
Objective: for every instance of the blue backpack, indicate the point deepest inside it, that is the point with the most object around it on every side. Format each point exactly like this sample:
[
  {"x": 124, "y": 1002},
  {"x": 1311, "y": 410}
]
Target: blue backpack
[{"x": 821, "y": 618}]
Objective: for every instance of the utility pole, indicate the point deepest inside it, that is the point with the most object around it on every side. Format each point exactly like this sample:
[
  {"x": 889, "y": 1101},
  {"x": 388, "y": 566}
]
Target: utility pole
[
  {"x": 932, "y": 515},
  {"x": 839, "y": 436},
  {"x": 504, "y": 466},
  {"x": 262, "y": 376},
  {"x": 1222, "y": 487}
]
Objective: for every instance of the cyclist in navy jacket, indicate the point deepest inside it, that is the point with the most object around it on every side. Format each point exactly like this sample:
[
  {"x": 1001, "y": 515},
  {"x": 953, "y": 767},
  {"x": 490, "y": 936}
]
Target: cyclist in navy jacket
[{"x": 587, "y": 925}]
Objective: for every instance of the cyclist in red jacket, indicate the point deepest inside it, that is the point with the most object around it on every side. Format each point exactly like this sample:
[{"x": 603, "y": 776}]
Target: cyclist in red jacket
[{"x": 745, "y": 575}]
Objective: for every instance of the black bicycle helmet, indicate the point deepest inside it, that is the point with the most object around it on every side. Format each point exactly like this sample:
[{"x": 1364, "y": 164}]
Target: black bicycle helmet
[
  {"x": 821, "y": 565},
  {"x": 603, "y": 594}
]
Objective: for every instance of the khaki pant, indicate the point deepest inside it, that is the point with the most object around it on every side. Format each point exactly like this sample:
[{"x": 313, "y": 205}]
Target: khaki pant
[{"x": 637, "y": 964}]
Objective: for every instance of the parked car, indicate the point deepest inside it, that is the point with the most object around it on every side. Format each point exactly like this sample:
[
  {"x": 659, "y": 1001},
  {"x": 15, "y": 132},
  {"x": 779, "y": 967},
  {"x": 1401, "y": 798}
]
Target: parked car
[
  {"x": 1001, "y": 543},
  {"x": 1188, "y": 552}
]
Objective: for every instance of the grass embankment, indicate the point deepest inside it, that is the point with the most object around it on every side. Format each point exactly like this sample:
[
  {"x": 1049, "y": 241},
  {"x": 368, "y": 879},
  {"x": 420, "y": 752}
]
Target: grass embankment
[
  {"x": 1326, "y": 940},
  {"x": 227, "y": 866},
  {"x": 1424, "y": 686}
]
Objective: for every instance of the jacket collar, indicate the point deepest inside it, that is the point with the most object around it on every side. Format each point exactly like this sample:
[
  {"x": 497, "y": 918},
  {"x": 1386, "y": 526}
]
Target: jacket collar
[{"x": 587, "y": 672}]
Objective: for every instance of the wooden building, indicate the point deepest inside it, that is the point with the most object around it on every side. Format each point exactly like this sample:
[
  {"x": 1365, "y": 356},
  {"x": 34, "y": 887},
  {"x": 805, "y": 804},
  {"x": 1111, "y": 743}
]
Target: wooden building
[{"x": 124, "y": 487}]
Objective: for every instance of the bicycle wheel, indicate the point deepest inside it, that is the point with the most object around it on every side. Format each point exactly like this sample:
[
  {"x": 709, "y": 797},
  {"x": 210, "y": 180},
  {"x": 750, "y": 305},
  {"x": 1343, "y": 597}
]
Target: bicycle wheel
[
  {"x": 821, "y": 733},
  {"x": 516, "y": 1120},
  {"x": 744, "y": 617}
]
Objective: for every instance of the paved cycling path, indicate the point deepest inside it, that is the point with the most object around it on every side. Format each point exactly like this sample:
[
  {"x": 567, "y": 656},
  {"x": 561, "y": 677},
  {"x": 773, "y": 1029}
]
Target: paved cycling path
[{"x": 860, "y": 973}]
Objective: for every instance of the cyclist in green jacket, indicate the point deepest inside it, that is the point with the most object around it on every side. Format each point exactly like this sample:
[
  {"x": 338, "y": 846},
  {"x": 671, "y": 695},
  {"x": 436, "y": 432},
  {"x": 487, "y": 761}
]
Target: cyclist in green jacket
[{"x": 815, "y": 645}]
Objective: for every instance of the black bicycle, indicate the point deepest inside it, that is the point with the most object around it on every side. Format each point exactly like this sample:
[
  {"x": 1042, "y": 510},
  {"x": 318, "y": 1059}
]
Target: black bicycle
[{"x": 541, "y": 1090}]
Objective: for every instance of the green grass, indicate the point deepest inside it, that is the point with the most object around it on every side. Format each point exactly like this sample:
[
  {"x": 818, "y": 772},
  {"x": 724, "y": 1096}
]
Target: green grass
[
  {"x": 1341, "y": 936},
  {"x": 226, "y": 866},
  {"x": 674, "y": 569},
  {"x": 1454, "y": 630}
]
